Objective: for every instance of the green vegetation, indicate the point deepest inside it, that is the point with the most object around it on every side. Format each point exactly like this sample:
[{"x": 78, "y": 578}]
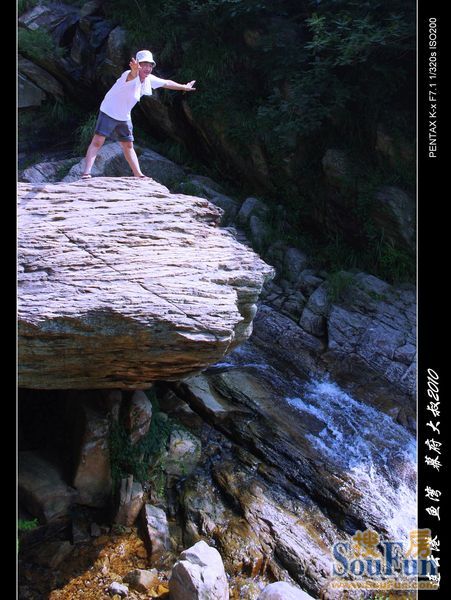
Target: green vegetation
[
  {"x": 135, "y": 459},
  {"x": 27, "y": 525},
  {"x": 268, "y": 69},
  {"x": 296, "y": 81},
  {"x": 24, "y": 525},
  {"x": 37, "y": 45},
  {"x": 84, "y": 133},
  {"x": 292, "y": 81},
  {"x": 337, "y": 284}
]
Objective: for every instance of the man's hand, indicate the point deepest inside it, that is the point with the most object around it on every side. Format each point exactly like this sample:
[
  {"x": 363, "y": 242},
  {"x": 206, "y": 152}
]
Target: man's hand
[
  {"x": 134, "y": 67},
  {"x": 189, "y": 86}
]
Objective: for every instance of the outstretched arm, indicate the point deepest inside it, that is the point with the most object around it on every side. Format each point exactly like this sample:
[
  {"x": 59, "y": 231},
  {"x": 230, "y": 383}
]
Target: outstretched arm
[{"x": 182, "y": 87}]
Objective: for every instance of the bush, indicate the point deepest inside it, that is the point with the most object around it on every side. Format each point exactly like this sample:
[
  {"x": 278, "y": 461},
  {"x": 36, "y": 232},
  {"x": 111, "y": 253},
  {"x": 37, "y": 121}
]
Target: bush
[
  {"x": 84, "y": 133},
  {"x": 37, "y": 45}
]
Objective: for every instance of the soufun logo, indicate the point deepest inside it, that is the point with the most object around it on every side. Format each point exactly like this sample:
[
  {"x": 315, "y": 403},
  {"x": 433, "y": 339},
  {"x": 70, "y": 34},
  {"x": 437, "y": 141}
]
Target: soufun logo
[{"x": 369, "y": 557}]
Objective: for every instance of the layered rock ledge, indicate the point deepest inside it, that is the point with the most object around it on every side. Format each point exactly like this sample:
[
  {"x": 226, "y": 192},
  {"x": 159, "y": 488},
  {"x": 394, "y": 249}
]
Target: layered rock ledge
[{"x": 121, "y": 283}]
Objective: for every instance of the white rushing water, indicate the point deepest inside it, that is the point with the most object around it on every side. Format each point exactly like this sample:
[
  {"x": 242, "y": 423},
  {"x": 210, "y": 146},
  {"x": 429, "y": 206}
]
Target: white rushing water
[{"x": 377, "y": 453}]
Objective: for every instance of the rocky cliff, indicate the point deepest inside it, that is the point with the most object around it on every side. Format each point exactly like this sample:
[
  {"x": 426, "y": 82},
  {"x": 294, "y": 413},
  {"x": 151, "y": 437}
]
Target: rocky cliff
[{"x": 122, "y": 283}]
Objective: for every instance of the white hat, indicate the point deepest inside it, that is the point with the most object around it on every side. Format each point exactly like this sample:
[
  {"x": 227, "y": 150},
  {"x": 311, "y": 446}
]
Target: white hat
[{"x": 145, "y": 56}]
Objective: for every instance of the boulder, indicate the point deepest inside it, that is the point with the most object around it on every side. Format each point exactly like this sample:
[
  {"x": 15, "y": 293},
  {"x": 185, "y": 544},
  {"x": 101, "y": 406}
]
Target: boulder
[
  {"x": 110, "y": 161},
  {"x": 122, "y": 283},
  {"x": 161, "y": 168},
  {"x": 142, "y": 580},
  {"x": 131, "y": 501},
  {"x": 156, "y": 530},
  {"x": 47, "y": 171},
  {"x": 199, "y": 575},
  {"x": 251, "y": 206},
  {"x": 282, "y": 590}
]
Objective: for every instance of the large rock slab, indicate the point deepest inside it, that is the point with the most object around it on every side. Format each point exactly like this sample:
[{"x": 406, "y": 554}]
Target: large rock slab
[{"x": 121, "y": 283}]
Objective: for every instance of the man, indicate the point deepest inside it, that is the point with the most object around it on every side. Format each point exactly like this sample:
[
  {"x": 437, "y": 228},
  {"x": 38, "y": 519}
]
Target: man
[{"x": 114, "y": 117}]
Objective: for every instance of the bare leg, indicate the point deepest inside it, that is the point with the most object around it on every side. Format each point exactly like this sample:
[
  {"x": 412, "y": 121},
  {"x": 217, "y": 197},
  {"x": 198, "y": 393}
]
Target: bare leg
[
  {"x": 94, "y": 147},
  {"x": 131, "y": 158}
]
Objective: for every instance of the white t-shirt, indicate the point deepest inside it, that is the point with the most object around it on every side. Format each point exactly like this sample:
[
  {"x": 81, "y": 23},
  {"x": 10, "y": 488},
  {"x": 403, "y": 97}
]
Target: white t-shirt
[{"x": 123, "y": 96}]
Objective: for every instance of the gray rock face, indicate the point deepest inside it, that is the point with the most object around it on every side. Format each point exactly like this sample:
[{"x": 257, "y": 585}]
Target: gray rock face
[
  {"x": 199, "y": 575},
  {"x": 365, "y": 339},
  {"x": 122, "y": 283},
  {"x": 376, "y": 322}
]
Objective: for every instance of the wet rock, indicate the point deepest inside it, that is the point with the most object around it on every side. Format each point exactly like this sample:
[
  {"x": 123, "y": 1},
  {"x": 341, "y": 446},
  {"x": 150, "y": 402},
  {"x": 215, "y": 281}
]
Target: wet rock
[
  {"x": 285, "y": 534},
  {"x": 241, "y": 549},
  {"x": 203, "y": 508},
  {"x": 313, "y": 323},
  {"x": 199, "y": 575},
  {"x": 374, "y": 321},
  {"x": 281, "y": 590},
  {"x": 183, "y": 453},
  {"x": 207, "y": 400},
  {"x": 287, "y": 340}
]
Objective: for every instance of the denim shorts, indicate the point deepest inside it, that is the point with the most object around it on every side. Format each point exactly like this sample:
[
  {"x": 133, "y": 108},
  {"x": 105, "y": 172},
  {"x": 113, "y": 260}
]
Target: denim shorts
[{"x": 121, "y": 131}]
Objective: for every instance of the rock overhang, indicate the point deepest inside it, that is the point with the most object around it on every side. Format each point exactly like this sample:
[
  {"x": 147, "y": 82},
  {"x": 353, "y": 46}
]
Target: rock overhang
[{"x": 121, "y": 283}]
